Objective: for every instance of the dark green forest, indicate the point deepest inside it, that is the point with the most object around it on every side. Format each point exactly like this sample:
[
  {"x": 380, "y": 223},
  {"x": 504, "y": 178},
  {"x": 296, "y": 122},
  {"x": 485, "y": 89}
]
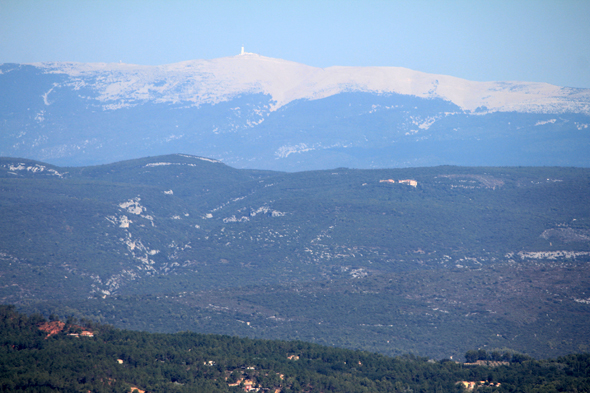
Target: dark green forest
[{"x": 114, "y": 360}]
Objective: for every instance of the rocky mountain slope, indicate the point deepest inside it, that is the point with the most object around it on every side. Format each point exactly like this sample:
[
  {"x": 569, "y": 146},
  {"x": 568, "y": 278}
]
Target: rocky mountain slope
[{"x": 253, "y": 111}]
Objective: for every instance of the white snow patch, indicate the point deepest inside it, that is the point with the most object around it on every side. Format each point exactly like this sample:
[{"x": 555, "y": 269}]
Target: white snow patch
[
  {"x": 541, "y": 122},
  {"x": 45, "y": 100},
  {"x": 423, "y": 124},
  {"x": 174, "y": 137},
  {"x": 40, "y": 117},
  {"x": 285, "y": 151}
]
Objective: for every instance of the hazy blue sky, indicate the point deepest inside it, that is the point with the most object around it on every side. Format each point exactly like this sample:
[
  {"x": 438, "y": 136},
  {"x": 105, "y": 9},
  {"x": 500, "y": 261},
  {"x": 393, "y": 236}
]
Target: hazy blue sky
[{"x": 535, "y": 40}]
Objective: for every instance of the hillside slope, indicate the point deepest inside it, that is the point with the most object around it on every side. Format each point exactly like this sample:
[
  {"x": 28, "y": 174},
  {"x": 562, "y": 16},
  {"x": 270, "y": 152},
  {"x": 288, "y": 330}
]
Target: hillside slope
[{"x": 392, "y": 260}]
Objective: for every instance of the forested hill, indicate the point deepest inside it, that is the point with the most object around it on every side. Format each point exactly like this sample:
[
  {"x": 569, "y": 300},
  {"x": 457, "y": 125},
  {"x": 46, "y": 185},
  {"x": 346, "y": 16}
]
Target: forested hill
[
  {"x": 33, "y": 358},
  {"x": 433, "y": 261}
]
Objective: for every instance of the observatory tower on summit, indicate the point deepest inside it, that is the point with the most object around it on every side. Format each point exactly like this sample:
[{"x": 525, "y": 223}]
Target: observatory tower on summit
[{"x": 243, "y": 52}]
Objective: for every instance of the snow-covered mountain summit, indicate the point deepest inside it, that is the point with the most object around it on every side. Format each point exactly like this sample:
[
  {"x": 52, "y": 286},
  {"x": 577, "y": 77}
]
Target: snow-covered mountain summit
[
  {"x": 211, "y": 81},
  {"x": 258, "y": 112}
]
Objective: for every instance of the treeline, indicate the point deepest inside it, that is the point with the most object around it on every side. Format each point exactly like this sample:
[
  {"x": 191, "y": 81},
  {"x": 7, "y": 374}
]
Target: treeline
[
  {"x": 472, "y": 356},
  {"x": 32, "y": 360}
]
